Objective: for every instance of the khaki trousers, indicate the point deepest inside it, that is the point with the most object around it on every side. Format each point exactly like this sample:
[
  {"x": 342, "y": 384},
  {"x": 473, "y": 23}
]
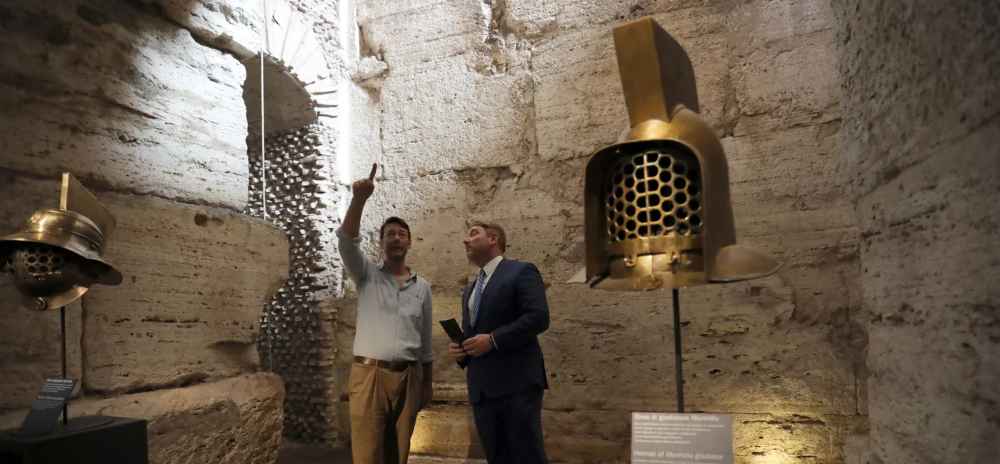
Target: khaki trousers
[{"x": 384, "y": 406}]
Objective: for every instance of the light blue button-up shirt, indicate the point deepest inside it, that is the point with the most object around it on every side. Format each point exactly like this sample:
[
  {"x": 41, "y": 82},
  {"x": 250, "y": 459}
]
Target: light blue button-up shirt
[{"x": 394, "y": 321}]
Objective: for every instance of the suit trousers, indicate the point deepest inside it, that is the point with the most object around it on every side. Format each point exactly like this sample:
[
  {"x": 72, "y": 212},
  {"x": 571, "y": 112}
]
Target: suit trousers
[
  {"x": 384, "y": 406},
  {"x": 510, "y": 428}
]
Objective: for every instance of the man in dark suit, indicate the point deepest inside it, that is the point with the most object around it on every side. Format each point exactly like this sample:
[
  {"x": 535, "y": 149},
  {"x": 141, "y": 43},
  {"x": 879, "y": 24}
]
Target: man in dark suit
[{"x": 503, "y": 311}]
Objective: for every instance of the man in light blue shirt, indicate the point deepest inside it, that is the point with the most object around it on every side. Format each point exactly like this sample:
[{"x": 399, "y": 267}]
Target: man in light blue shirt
[{"x": 391, "y": 375}]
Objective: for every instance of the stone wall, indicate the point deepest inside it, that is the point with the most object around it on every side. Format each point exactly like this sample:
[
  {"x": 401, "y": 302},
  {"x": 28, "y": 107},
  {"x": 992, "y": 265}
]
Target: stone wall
[
  {"x": 858, "y": 136},
  {"x": 921, "y": 104},
  {"x": 153, "y": 121},
  {"x": 491, "y": 110}
]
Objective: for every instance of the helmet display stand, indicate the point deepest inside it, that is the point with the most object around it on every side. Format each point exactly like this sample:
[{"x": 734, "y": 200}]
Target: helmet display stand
[
  {"x": 57, "y": 256},
  {"x": 54, "y": 259},
  {"x": 78, "y": 423},
  {"x": 657, "y": 208}
]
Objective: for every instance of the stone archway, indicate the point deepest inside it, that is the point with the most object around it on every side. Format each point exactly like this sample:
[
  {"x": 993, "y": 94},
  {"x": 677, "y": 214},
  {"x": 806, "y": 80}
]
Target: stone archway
[{"x": 288, "y": 187}]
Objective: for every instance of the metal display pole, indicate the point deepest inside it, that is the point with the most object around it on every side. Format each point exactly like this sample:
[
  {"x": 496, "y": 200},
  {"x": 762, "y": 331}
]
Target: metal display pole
[
  {"x": 678, "y": 358},
  {"x": 62, "y": 333}
]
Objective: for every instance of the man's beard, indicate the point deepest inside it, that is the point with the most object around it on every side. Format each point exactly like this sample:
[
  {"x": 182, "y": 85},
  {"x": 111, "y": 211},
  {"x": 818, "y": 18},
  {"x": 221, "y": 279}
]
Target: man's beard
[
  {"x": 474, "y": 255},
  {"x": 395, "y": 256}
]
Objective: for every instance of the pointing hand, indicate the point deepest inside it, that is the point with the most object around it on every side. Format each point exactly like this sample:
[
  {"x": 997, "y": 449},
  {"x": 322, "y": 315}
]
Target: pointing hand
[{"x": 363, "y": 188}]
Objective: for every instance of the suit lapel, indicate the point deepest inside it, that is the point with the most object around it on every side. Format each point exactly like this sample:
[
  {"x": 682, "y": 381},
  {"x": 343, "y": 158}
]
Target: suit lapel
[{"x": 466, "y": 322}]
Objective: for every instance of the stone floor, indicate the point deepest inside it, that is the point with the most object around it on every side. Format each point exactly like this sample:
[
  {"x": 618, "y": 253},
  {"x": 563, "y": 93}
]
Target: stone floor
[{"x": 295, "y": 453}]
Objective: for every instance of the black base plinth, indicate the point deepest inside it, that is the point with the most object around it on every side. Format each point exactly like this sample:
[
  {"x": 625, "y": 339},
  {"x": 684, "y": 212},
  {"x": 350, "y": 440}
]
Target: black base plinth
[{"x": 85, "y": 440}]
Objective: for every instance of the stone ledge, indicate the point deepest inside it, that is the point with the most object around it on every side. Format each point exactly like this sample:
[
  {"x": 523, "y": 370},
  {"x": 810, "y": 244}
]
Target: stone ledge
[{"x": 237, "y": 420}]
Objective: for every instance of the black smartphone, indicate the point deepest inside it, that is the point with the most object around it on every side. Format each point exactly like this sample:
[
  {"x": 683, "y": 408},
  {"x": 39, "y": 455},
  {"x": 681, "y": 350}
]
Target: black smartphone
[{"x": 454, "y": 332}]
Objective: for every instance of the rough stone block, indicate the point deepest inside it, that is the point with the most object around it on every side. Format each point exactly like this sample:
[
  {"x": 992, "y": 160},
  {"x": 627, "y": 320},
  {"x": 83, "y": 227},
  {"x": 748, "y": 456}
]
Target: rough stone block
[
  {"x": 225, "y": 24},
  {"x": 606, "y": 350},
  {"x": 537, "y": 203},
  {"x": 578, "y": 102},
  {"x": 196, "y": 281},
  {"x": 934, "y": 319},
  {"x": 364, "y": 146},
  {"x": 793, "y": 84},
  {"x": 579, "y": 107},
  {"x": 136, "y": 105},
  {"x": 772, "y": 175},
  {"x": 473, "y": 123},
  {"x": 383, "y": 22},
  {"x": 919, "y": 90},
  {"x": 791, "y": 437},
  {"x": 541, "y": 18},
  {"x": 446, "y": 430},
  {"x": 482, "y": 123},
  {"x": 234, "y": 421},
  {"x": 764, "y": 23}
]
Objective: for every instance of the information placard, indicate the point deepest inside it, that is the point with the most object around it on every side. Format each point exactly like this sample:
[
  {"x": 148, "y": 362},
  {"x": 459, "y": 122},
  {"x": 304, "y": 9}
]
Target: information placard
[
  {"x": 47, "y": 407},
  {"x": 678, "y": 438}
]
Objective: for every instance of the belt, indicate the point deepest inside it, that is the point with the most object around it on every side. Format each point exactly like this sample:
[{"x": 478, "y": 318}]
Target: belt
[{"x": 391, "y": 365}]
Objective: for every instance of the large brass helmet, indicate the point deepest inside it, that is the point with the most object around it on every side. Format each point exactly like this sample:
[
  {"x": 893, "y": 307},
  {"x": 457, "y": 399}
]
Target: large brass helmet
[
  {"x": 658, "y": 213},
  {"x": 56, "y": 257}
]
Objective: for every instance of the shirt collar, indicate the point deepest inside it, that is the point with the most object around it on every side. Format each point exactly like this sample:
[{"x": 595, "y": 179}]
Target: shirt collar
[
  {"x": 413, "y": 275},
  {"x": 491, "y": 266}
]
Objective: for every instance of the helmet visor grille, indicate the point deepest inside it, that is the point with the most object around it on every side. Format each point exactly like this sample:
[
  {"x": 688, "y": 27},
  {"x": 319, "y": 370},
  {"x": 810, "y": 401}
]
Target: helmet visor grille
[{"x": 654, "y": 193}]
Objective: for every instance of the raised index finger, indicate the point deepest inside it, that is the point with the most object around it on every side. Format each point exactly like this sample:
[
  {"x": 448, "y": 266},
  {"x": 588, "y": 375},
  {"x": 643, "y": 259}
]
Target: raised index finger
[{"x": 371, "y": 176}]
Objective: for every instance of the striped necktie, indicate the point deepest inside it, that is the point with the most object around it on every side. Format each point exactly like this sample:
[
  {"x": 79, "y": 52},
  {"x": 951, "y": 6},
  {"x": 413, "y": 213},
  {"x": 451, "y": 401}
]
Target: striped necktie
[{"x": 476, "y": 296}]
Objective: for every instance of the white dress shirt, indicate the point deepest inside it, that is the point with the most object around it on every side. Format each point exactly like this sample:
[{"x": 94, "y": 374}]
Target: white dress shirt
[{"x": 489, "y": 268}]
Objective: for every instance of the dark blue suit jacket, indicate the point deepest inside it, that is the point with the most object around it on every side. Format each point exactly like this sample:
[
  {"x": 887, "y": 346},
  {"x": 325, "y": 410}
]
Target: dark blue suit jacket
[{"x": 514, "y": 309}]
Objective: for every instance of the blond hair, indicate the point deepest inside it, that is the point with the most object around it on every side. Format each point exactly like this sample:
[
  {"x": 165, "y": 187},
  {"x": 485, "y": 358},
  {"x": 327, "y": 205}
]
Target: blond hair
[{"x": 495, "y": 230}]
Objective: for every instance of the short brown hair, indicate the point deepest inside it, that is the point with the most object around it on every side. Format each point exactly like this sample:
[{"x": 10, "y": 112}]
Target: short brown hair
[
  {"x": 393, "y": 220},
  {"x": 495, "y": 230}
]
